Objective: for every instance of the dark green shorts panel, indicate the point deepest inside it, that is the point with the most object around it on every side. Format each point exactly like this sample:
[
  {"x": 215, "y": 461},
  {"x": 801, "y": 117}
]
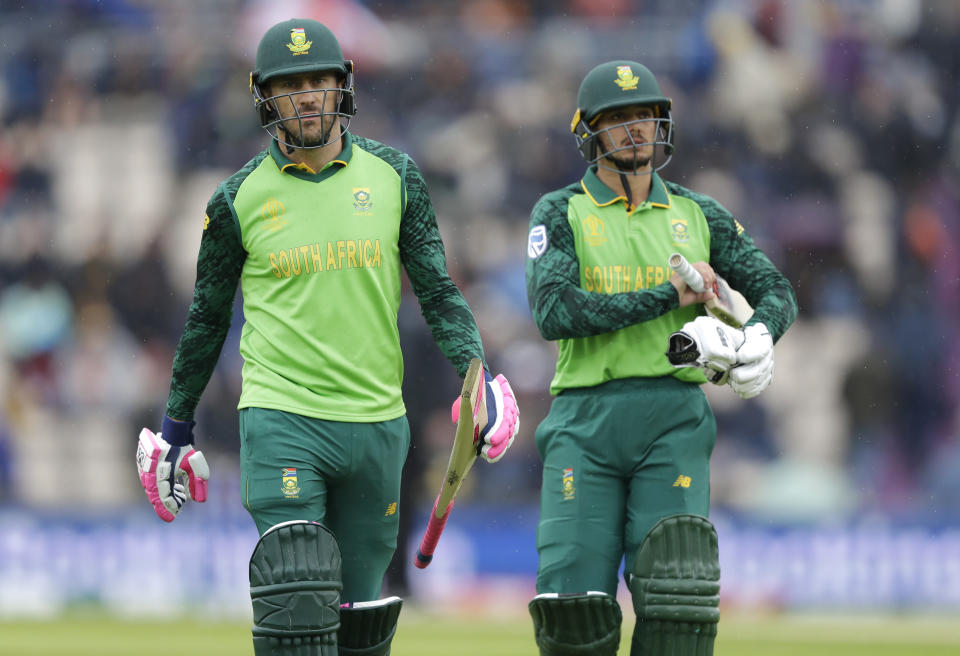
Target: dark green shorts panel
[
  {"x": 617, "y": 458},
  {"x": 344, "y": 475}
]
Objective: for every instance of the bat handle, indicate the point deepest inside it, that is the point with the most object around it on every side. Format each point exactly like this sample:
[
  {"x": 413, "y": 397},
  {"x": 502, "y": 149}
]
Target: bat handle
[
  {"x": 686, "y": 271},
  {"x": 432, "y": 535}
]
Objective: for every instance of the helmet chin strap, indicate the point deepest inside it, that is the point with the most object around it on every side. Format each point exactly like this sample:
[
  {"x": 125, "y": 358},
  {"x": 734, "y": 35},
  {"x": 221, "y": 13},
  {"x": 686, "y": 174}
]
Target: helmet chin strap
[
  {"x": 626, "y": 190},
  {"x": 625, "y": 183}
]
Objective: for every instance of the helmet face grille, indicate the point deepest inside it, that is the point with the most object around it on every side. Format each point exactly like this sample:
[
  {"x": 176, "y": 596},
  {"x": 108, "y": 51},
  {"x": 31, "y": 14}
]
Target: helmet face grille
[
  {"x": 268, "y": 112},
  {"x": 288, "y": 131},
  {"x": 590, "y": 144}
]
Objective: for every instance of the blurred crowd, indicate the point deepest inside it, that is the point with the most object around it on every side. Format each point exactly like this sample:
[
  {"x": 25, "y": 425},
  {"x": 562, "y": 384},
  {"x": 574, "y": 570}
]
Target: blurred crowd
[{"x": 829, "y": 128}]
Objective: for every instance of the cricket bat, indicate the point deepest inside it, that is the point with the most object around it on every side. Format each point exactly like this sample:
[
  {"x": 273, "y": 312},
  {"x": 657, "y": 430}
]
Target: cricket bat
[
  {"x": 466, "y": 448},
  {"x": 728, "y": 305}
]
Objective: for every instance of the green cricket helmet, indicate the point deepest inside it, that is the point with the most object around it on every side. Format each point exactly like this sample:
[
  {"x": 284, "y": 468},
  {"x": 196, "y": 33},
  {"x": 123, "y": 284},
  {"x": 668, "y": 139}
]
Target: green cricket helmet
[
  {"x": 621, "y": 84},
  {"x": 301, "y": 45}
]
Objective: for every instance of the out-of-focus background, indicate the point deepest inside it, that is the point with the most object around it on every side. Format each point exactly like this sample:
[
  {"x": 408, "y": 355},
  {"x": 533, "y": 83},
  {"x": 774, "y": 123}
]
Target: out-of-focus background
[{"x": 829, "y": 128}]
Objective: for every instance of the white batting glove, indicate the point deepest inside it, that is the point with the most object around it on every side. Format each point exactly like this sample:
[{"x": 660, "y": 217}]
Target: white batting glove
[
  {"x": 708, "y": 344},
  {"x": 754, "y": 369},
  {"x": 170, "y": 474},
  {"x": 503, "y": 416}
]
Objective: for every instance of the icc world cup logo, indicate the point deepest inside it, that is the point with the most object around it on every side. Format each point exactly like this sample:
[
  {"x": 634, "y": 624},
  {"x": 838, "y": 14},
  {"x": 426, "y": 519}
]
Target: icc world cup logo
[
  {"x": 272, "y": 213},
  {"x": 593, "y": 230}
]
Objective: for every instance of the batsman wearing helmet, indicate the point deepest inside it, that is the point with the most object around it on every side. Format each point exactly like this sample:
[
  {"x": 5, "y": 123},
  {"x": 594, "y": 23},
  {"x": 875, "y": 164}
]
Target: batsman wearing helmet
[
  {"x": 627, "y": 442},
  {"x": 315, "y": 230}
]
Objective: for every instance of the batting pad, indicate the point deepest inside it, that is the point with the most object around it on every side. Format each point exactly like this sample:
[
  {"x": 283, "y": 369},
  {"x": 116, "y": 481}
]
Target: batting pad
[
  {"x": 676, "y": 589},
  {"x": 367, "y": 627},
  {"x": 295, "y": 587},
  {"x": 581, "y": 624}
]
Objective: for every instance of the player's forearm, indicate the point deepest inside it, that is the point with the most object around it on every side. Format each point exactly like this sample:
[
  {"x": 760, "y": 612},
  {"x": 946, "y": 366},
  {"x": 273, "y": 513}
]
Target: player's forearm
[
  {"x": 195, "y": 359},
  {"x": 219, "y": 264},
  {"x": 777, "y": 308},
  {"x": 565, "y": 311},
  {"x": 766, "y": 289},
  {"x": 452, "y": 325}
]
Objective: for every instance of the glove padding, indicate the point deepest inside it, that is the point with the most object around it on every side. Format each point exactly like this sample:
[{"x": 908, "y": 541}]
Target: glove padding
[
  {"x": 708, "y": 344},
  {"x": 503, "y": 416},
  {"x": 170, "y": 474},
  {"x": 754, "y": 369}
]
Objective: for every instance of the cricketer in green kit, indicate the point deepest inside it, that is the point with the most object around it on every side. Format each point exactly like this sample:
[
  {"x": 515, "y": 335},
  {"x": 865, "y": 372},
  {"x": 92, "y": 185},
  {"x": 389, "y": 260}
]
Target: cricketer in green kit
[
  {"x": 626, "y": 445},
  {"x": 315, "y": 229}
]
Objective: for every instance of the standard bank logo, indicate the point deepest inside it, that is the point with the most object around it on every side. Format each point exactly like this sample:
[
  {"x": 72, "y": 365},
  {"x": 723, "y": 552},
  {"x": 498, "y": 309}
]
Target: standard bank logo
[{"x": 537, "y": 241}]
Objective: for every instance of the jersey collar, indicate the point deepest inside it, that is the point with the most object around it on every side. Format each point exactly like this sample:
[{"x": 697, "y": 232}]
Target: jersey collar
[
  {"x": 602, "y": 195},
  {"x": 304, "y": 172}
]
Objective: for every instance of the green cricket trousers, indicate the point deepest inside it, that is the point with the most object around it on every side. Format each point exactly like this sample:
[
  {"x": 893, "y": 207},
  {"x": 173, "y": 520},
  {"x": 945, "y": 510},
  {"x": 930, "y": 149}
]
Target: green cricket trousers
[
  {"x": 617, "y": 458},
  {"x": 345, "y": 475}
]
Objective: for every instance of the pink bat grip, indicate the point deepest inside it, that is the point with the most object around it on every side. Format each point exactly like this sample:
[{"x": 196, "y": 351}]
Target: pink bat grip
[{"x": 432, "y": 535}]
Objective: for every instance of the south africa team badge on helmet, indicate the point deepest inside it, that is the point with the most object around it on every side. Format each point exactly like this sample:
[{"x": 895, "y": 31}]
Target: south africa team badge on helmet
[
  {"x": 626, "y": 80},
  {"x": 298, "y": 41}
]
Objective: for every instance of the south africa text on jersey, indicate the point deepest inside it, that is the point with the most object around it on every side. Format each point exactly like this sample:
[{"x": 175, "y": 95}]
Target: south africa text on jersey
[
  {"x": 623, "y": 278},
  {"x": 335, "y": 255}
]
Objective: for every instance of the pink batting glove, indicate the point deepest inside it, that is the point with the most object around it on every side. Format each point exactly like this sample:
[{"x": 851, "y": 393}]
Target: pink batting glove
[
  {"x": 170, "y": 474},
  {"x": 503, "y": 416}
]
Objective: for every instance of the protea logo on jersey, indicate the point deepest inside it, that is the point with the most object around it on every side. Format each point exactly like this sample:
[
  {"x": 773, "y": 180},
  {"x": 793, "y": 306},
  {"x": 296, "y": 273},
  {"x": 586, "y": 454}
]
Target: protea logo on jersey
[
  {"x": 290, "y": 487},
  {"x": 332, "y": 256},
  {"x": 298, "y": 42},
  {"x": 566, "y": 485},
  {"x": 626, "y": 80},
  {"x": 679, "y": 229},
  {"x": 361, "y": 199}
]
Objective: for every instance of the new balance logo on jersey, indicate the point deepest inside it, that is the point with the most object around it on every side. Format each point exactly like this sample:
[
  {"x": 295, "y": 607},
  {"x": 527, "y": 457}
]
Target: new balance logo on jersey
[{"x": 682, "y": 481}]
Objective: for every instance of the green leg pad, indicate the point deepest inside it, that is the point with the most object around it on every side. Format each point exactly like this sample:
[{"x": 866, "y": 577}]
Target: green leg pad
[
  {"x": 676, "y": 589},
  {"x": 586, "y": 624},
  {"x": 367, "y": 627},
  {"x": 295, "y": 587}
]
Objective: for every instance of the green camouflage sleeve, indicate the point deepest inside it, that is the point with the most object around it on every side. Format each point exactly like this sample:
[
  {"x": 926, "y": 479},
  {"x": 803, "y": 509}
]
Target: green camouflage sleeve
[
  {"x": 442, "y": 304},
  {"x": 560, "y": 307},
  {"x": 219, "y": 264},
  {"x": 735, "y": 257}
]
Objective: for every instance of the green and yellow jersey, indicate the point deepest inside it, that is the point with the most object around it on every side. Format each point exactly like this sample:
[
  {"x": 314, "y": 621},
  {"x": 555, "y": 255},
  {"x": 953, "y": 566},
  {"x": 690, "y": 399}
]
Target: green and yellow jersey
[
  {"x": 598, "y": 277},
  {"x": 318, "y": 257}
]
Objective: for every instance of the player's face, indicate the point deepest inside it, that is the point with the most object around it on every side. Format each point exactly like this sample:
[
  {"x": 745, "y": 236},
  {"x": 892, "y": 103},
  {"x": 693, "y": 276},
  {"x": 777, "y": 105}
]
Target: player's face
[
  {"x": 628, "y": 133},
  {"x": 302, "y": 98}
]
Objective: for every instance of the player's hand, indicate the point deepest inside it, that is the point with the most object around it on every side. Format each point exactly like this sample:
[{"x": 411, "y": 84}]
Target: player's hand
[
  {"x": 503, "y": 416},
  {"x": 171, "y": 473},
  {"x": 754, "y": 369},
  {"x": 706, "y": 343},
  {"x": 686, "y": 295}
]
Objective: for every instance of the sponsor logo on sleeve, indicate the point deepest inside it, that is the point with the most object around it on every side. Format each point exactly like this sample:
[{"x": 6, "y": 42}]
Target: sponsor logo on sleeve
[{"x": 537, "y": 241}]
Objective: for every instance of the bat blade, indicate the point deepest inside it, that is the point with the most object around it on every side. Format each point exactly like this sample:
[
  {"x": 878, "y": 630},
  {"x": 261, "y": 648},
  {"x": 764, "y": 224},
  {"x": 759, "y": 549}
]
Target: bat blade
[
  {"x": 728, "y": 305},
  {"x": 473, "y": 413}
]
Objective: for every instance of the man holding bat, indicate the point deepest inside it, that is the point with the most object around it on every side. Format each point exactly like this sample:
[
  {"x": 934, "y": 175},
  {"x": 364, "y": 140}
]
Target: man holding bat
[
  {"x": 627, "y": 442},
  {"x": 315, "y": 230}
]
